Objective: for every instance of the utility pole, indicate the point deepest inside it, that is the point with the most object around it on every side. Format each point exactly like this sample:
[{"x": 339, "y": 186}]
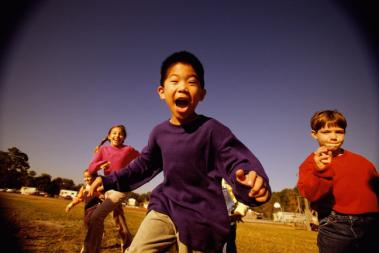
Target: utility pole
[
  {"x": 307, "y": 212},
  {"x": 308, "y": 215}
]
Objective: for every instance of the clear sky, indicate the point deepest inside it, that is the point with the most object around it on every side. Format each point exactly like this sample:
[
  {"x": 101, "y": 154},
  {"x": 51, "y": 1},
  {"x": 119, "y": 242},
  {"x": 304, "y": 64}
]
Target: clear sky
[{"x": 75, "y": 68}]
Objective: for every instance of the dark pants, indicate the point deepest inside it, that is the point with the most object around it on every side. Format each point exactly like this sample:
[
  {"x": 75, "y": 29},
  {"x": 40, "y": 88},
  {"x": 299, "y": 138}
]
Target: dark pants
[
  {"x": 230, "y": 246},
  {"x": 340, "y": 233}
]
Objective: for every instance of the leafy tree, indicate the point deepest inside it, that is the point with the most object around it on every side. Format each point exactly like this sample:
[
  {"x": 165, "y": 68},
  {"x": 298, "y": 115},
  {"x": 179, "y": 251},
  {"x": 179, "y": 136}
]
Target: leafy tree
[
  {"x": 144, "y": 197},
  {"x": 42, "y": 182},
  {"x": 288, "y": 199},
  {"x": 30, "y": 178},
  {"x": 67, "y": 184},
  {"x": 13, "y": 168},
  {"x": 54, "y": 186}
]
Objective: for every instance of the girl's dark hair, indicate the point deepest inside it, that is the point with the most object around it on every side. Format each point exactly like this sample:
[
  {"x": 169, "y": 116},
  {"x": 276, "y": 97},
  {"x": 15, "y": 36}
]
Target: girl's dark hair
[
  {"x": 186, "y": 58},
  {"x": 328, "y": 118},
  {"x": 123, "y": 129},
  {"x": 92, "y": 174}
]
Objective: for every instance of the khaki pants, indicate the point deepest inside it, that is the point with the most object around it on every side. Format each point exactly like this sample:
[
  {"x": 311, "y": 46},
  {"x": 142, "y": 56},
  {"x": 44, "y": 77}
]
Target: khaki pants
[{"x": 157, "y": 233}]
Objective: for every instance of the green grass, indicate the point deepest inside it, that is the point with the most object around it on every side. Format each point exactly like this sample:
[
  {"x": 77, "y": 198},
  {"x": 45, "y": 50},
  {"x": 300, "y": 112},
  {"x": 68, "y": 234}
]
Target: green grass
[{"x": 41, "y": 225}]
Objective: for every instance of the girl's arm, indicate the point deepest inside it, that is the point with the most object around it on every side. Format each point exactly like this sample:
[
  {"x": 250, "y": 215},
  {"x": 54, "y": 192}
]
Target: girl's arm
[
  {"x": 97, "y": 162},
  {"x": 138, "y": 172},
  {"x": 76, "y": 200}
]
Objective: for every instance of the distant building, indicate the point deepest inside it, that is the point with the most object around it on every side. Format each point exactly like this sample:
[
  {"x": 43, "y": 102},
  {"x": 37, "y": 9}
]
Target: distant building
[
  {"x": 132, "y": 202},
  {"x": 145, "y": 204},
  {"x": 29, "y": 190},
  {"x": 289, "y": 217},
  {"x": 68, "y": 193},
  {"x": 252, "y": 215}
]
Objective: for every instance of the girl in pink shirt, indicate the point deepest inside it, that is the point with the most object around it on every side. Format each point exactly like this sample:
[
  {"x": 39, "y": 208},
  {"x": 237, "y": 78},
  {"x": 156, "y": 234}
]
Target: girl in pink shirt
[{"x": 109, "y": 159}]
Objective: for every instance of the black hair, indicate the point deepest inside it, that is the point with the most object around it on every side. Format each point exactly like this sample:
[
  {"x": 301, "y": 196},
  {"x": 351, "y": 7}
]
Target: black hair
[
  {"x": 183, "y": 57},
  {"x": 123, "y": 129}
]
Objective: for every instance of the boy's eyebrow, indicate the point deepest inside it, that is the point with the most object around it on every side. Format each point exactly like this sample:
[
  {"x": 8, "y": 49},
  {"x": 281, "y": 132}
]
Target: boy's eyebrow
[{"x": 190, "y": 76}]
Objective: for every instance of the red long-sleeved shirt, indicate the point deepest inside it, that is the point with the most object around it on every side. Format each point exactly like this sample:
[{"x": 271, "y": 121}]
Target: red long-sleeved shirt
[
  {"x": 348, "y": 185},
  {"x": 118, "y": 157}
]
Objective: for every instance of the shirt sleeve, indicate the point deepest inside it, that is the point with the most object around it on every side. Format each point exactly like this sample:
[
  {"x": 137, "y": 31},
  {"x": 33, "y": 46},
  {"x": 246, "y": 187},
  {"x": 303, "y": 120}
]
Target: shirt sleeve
[
  {"x": 312, "y": 183},
  {"x": 138, "y": 172},
  {"x": 96, "y": 162},
  {"x": 234, "y": 155},
  {"x": 239, "y": 207}
]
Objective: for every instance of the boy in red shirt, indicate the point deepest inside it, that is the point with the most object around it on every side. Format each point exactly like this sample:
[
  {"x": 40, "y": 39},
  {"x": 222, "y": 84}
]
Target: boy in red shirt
[{"x": 342, "y": 187}]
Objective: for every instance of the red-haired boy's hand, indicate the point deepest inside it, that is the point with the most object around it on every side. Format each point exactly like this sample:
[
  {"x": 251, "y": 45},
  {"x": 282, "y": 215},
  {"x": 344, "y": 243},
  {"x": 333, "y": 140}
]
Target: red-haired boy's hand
[{"x": 322, "y": 158}]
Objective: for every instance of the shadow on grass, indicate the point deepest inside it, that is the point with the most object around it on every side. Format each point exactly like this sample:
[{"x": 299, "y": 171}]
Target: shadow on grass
[{"x": 8, "y": 232}]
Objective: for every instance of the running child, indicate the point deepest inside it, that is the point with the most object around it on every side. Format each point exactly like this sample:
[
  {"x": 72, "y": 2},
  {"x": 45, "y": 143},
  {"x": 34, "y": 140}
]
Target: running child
[
  {"x": 187, "y": 212},
  {"x": 90, "y": 202},
  {"x": 110, "y": 158}
]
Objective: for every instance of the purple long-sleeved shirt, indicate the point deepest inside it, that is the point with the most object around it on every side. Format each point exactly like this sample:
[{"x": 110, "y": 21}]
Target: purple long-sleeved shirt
[{"x": 194, "y": 158}]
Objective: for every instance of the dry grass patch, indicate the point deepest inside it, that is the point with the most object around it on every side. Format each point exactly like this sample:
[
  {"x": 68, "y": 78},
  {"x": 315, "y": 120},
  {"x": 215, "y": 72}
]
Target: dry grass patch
[{"x": 40, "y": 224}]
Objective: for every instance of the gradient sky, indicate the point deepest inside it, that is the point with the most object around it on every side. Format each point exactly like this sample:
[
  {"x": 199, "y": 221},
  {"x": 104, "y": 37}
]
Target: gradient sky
[{"x": 75, "y": 68}]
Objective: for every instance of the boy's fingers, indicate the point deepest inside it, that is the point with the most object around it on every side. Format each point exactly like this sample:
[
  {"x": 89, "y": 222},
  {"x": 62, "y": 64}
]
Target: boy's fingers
[
  {"x": 321, "y": 150},
  {"x": 240, "y": 175},
  {"x": 264, "y": 197},
  {"x": 257, "y": 186}
]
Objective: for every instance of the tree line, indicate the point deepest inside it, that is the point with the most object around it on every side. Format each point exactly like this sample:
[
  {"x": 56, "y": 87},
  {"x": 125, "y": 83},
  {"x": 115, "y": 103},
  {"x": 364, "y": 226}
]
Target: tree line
[{"x": 15, "y": 172}]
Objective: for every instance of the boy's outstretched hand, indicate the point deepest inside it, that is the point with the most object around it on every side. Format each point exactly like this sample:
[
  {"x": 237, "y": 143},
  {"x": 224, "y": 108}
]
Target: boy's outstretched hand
[
  {"x": 257, "y": 184},
  {"x": 95, "y": 184}
]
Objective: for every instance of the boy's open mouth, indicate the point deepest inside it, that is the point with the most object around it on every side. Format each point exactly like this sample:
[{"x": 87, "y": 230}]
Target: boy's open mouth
[{"x": 181, "y": 102}]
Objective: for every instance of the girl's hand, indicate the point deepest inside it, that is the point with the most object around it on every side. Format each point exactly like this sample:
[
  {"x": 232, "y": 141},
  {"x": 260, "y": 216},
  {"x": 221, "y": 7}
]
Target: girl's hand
[
  {"x": 105, "y": 165},
  {"x": 257, "y": 184},
  {"x": 95, "y": 184},
  {"x": 68, "y": 207},
  {"x": 322, "y": 157}
]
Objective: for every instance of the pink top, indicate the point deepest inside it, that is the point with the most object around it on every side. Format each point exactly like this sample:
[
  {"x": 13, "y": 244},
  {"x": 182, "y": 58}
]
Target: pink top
[{"x": 118, "y": 157}]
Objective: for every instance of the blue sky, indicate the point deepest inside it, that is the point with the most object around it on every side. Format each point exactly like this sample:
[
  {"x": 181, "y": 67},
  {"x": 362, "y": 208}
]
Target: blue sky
[{"x": 75, "y": 68}]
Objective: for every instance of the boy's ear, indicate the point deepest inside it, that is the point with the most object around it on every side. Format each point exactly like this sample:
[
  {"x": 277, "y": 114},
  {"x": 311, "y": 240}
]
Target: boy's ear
[
  {"x": 314, "y": 134},
  {"x": 160, "y": 91},
  {"x": 203, "y": 94}
]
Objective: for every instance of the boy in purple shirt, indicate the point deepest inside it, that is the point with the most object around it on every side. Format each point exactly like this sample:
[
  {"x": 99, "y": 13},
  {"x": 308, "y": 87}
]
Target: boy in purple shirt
[{"x": 187, "y": 212}]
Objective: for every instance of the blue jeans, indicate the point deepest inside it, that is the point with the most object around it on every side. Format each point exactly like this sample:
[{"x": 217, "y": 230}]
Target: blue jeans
[{"x": 340, "y": 233}]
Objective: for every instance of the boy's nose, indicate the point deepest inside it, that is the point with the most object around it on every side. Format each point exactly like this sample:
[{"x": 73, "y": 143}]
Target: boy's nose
[
  {"x": 182, "y": 86},
  {"x": 333, "y": 135}
]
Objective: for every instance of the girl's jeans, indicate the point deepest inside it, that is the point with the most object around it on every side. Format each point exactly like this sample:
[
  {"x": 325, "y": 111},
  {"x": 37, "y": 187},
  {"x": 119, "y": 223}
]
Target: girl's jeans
[{"x": 348, "y": 233}]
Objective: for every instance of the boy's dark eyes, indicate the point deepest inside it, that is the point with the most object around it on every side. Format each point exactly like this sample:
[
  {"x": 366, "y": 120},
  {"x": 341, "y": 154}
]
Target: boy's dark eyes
[
  {"x": 328, "y": 132},
  {"x": 193, "y": 81}
]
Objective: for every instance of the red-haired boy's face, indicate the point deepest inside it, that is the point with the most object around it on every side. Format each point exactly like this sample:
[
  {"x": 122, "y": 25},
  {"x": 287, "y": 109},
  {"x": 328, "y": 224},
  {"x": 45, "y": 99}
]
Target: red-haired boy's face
[{"x": 331, "y": 137}]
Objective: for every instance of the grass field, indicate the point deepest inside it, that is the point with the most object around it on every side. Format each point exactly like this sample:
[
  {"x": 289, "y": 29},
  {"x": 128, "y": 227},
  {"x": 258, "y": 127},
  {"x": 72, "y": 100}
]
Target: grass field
[{"x": 39, "y": 224}]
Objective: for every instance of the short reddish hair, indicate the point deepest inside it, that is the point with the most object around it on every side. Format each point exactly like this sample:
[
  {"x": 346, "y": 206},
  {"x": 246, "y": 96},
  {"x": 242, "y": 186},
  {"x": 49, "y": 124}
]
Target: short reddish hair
[{"x": 328, "y": 118}]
